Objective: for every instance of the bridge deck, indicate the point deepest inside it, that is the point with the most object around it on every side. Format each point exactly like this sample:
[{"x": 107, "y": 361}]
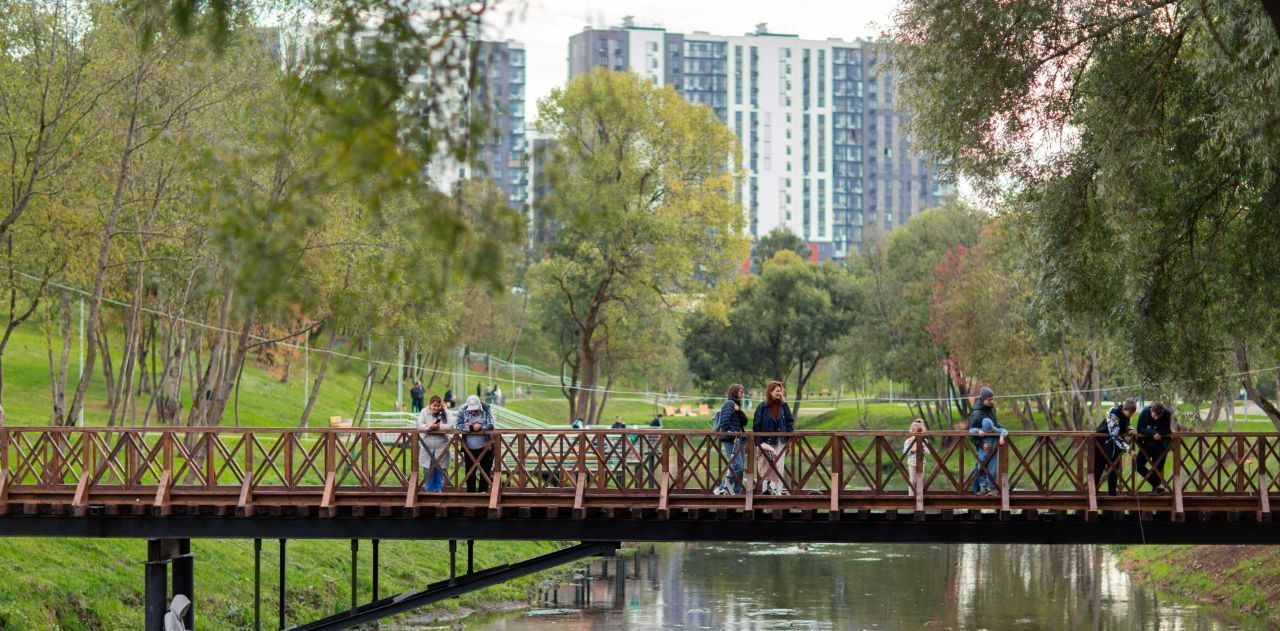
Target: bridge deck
[{"x": 629, "y": 484}]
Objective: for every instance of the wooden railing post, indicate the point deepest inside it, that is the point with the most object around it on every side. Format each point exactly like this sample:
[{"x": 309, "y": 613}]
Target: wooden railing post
[{"x": 1176, "y": 447}]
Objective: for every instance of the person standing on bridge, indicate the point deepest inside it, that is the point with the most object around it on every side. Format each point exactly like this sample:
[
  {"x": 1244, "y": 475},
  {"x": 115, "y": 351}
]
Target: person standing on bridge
[
  {"x": 433, "y": 454},
  {"x": 415, "y": 396},
  {"x": 1111, "y": 445},
  {"x": 731, "y": 422},
  {"x": 988, "y": 436},
  {"x": 1155, "y": 430},
  {"x": 476, "y": 421},
  {"x": 773, "y": 416}
]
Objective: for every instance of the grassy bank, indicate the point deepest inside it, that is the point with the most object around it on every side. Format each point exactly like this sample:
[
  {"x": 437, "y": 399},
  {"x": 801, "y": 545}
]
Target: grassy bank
[
  {"x": 1246, "y": 578},
  {"x": 97, "y": 584}
]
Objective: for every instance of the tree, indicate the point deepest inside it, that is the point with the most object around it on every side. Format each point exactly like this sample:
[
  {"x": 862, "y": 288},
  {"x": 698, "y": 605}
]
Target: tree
[
  {"x": 1137, "y": 143},
  {"x": 643, "y": 187},
  {"x": 778, "y": 240},
  {"x": 896, "y": 276},
  {"x": 784, "y": 323}
]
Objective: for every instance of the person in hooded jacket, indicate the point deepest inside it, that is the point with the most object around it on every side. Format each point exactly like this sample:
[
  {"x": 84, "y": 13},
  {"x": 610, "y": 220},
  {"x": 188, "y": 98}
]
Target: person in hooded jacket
[
  {"x": 731, "y": 422},
  {"x": 773, "y": 416},
  {"x": 1155, "y": 437},
  {"x": 987, "y": 436},
  {"x": 1111, "y": 446}
]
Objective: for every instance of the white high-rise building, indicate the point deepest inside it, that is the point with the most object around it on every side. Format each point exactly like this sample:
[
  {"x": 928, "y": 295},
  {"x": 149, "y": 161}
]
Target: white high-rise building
[{"x": 821, "y": 139}]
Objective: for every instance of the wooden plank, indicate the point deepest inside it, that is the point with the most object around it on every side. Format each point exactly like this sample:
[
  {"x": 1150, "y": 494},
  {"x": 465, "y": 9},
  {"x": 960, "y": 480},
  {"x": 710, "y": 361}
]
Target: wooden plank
[
  {"x": 82, "y": 492},
  {"x": 833, "y": 509},
  {"x": 1178, "y": 513},
  {"x": 162, "y": 492},
  {"x": 664, "y": 489},
  {"x": 495, "y": 497},
  {"x": 1004, "y": 495},
  {"x": 578, "y": 496},
  {"x": 1091, "y": 483},
  {"x": 245, "y": 505},
  {"x": 4, "y": 492},
  {"x": 326, "y": 499},
  {"x": 411, "y": 492},
  {"x": 1264, "y": 497},
  {"x": 918, "y": 489}
]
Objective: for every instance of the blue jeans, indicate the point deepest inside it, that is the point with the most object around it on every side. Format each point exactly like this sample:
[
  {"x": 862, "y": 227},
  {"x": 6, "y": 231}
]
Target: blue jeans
[
  {"x": 985, "y": 482},
  {"x": 434, "y": 479},
  {"x": 733, "y": 452}
]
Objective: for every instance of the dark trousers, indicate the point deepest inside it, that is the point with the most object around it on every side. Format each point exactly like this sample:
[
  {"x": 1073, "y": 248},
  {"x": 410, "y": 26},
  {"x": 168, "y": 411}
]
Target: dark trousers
[
  {"x": 1106, "y": 456},
  {"x": 417, "y": 405},
  {"x": 1154, "y": 452},
  {"x": 479, "y": 463}
]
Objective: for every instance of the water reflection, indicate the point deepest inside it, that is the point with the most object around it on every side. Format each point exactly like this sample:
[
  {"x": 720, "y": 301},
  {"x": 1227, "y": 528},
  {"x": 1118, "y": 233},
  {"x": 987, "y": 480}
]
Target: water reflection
[{"x": 756, "y": 586}]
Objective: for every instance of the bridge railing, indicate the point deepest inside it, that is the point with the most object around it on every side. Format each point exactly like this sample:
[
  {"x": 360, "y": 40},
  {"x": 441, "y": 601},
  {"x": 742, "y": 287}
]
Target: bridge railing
[{"x": 634, "y": 467}]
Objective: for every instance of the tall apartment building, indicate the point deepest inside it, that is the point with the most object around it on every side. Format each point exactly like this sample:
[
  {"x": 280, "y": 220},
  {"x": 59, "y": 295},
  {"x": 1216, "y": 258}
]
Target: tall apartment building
[
  {"x": 822, "y": 142},
  {"x": 500, "y": 90}
]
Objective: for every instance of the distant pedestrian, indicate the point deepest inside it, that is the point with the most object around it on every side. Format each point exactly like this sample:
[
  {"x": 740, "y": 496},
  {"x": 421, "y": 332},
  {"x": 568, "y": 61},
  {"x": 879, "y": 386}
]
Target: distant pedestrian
[
  {"x": 915, "y": 448},
  {"x": 1155, "y": 435},
  {"x": 497, "y": 394},
  {"x": 1111, "y": 444},
  {"x": 449, "y": 400},
  {"x": 731, "y": 423},
  {"x": 577, "y": 423},
  {"x": 987, "y": 436},
  {"x": 476, "y": 421},
  {"x": 773, "y": 416},
  {"x": 653, "y": 450},
  {"x": 617, "y": 423},
  {"x": 433, "y": 452},
  {"x": 415, "y": 396}
]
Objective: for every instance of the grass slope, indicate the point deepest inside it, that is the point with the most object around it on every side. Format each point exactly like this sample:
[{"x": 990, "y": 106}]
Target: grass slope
[
  {"x": 97, "y": 584},
  {"x": 1246, "y": 578}
]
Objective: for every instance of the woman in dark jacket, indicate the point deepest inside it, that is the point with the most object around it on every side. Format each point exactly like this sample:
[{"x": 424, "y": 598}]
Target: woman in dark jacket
[
  {"x": 773, "y": 416},
  {"x": 731, "y": 422}
]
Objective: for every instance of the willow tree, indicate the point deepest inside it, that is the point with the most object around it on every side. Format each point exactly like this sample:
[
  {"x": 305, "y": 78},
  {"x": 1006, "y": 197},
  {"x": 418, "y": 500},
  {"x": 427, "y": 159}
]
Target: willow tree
[
  {"x": 643, "y": 185},
  {"x": 1137, "y": 142}
]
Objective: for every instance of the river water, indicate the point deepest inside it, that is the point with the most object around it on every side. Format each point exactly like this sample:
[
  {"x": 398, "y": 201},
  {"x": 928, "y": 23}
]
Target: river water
[{"x": 819, "y": 586}]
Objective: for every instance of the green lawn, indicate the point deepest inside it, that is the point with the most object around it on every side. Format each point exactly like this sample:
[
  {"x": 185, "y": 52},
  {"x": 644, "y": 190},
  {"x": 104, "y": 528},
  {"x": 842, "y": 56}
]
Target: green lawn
[{"x": 74, "y": 584}]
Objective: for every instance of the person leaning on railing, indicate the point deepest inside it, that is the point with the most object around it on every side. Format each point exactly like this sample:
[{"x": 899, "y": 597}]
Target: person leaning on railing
[
  {"x": 1111, "y": 445},
  {"x": 476, "y": 421},
  {"x": 988, "y": 436},
  {"x": 433, "y": 452},
  {"x": 1155, "y": 435},
  {"x": 773, "y": 415},
  {"x": 731, "y": 422}
]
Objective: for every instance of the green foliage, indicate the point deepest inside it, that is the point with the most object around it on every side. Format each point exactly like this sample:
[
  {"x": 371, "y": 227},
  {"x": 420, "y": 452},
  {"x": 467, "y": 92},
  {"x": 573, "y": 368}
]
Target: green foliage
[
  {"x": 783, "y": 323},
  {"x": 778, "y": 240},
  {"x": 643, "y": 189},
  {"x": 1132, "y": 144}
]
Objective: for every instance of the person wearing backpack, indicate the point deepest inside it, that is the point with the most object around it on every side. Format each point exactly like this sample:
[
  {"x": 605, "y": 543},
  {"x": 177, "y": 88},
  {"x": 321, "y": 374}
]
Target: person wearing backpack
[
  {"x": 731, "y": 423},
  {"x": 772, "y": 417},
  {"x": 987, "y": 436}
]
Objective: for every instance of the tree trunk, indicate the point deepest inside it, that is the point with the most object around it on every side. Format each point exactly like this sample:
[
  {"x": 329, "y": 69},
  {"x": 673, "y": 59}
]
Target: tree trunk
[
  {"x": 58, "y": 369},
  {"x": 319, "y": 380},
  {"x": 1255, "y": 395},
  {"x": 108, "y": 371}
]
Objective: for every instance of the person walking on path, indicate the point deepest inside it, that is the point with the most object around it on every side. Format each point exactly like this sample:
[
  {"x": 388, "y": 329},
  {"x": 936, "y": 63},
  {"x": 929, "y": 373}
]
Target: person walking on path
[
  {"x": 1155, "y": 435},
  {"x": 475, "y": 420},
  {"x": 434, "y": 444},
  {"x": 731, "y": 422},
  {"x": 1111, "y": 444},
  {"x": 987, "y": 436},
  {"x": 415, "y": 396},
  {"x": 772, "y": 416}
]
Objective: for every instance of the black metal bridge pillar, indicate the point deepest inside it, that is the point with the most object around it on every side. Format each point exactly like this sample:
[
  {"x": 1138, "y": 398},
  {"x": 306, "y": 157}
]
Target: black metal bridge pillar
[{"x": 161, "y": 554}]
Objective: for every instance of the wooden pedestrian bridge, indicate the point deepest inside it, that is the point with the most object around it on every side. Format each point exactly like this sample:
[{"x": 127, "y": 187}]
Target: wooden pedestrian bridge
[
  {"x": 600, "y": 487},
  {"x": 633, "y": 484}
]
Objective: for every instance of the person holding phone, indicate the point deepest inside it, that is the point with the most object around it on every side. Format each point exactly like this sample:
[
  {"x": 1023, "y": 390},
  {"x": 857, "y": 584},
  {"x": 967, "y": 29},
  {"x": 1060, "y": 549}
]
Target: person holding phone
[
  {"x": 731, "y": 422},
  {"x": 433, "y": 452}
]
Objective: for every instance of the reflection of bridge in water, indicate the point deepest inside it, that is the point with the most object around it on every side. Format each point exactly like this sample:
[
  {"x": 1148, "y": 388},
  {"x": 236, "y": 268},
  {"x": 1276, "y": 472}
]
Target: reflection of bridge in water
[{"x": 604, "y": 486}]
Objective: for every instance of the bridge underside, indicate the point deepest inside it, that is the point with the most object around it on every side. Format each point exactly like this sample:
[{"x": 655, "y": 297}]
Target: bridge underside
[{"x": 646, "y": 524}]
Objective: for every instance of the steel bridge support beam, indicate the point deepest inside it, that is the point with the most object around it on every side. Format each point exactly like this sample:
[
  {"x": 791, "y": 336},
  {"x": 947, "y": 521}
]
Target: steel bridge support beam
[
  {"x": 445, "y": 589},
  {"x": 161, "y": 555}
]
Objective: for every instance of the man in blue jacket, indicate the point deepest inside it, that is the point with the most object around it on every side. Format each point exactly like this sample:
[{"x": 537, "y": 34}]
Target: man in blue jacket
[{"x": 1155, "y": 435}]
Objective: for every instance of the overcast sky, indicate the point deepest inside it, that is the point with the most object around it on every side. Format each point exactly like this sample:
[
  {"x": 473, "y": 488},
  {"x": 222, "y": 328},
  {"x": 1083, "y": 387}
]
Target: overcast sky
[{"x": 544, "y": 26}]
